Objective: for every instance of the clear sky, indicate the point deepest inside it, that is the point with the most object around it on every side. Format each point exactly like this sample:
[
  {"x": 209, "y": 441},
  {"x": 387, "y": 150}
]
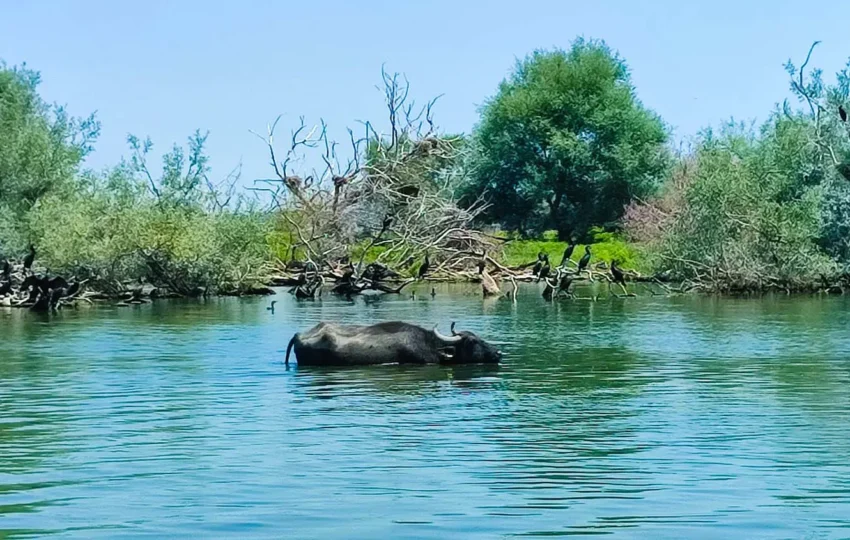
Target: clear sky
[{"x": 163, "y": 69}]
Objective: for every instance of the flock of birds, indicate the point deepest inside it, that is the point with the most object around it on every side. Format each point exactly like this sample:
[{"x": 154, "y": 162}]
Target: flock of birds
[
  {"x": 38, "y": 292},
  {"x": 560, "y": 279}
]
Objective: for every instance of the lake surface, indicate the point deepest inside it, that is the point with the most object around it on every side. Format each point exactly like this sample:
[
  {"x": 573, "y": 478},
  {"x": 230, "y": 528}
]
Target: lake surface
[{"x": 641, "y": 417}]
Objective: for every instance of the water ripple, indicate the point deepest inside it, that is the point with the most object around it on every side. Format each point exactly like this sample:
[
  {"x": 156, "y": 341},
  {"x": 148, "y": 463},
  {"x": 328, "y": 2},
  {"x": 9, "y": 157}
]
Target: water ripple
[{"x": 647, "y": 418}]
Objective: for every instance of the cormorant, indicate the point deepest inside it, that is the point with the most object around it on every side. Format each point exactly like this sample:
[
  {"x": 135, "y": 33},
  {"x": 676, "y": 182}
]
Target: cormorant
[
  {"x": 842, "y": 113},
  {"x": 28, "y": 260},
  {"x": 7, "y": 270},
  {"x": 564, "y": 284},
  {"x": 585, "y": 260},
  {"x": 538, "y": 265},
  {"x": 568, "y": 253},
  {"x": 55, "y": 296},
  {"x": 387, "y": 222},
  {"x": 271, "y": 307},
  {"x": 618, "y": 275},
  {"x": 481, "y": 266},
  {"x": 544, "y": 271},
  {"x": 5, "y": 288},
  {"x": 433, "y": 292},
  {"x": 424, "y": 268},
  {"x": 348, "y": 274},
  {"x": 73, "y": 289}
]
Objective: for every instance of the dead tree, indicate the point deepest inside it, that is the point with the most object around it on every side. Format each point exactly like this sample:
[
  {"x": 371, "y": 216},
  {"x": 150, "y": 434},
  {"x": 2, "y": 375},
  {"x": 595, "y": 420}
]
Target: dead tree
[{"x": 393, "y": 200}]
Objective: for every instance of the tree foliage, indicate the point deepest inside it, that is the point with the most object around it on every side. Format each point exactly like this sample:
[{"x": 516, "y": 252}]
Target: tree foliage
[
  {"x": 566, "y": 143},
  {"x": 759, "y": 209},
  {"x": 41, "y": 148}
]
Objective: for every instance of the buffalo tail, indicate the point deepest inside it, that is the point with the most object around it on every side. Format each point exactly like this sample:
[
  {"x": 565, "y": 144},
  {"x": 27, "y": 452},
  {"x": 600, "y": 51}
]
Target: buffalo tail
[{"x": 289, "y": 349}]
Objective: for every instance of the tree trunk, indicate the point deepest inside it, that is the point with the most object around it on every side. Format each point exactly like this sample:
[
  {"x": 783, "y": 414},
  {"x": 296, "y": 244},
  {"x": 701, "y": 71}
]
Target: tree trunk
[{"x": 555, "y": 217}]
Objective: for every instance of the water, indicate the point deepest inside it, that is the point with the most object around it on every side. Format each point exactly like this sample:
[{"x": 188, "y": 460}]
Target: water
[{"x": 644, "y": 418}]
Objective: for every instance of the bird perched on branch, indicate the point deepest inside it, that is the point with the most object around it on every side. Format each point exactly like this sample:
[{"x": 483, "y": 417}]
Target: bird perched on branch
[
  {"x": 348, "y": 274},
  {"x": 387, "y": 222},
  {"x": 425, "y": 266},
  {"x": 73, "y": 289},
  {"x": 618, "y": 276},
  {"x": 28, "y": 260},
  {"x": 568, "y": 253},
  {"x": 539, "y": 264},
  {"x": 585, "y": 259},
  {"x": 842, "y": 113},
  {"x": 545, "y": 269},
  {"x": 482, "y": 264},
  {"x": 7, "y": 270}
]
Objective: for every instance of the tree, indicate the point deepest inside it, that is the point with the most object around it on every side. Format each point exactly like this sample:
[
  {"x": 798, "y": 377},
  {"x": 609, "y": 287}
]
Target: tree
[
  {"x": 41, "y": 148},
  {"x": 40, "y": 145},
  {"x": 566, "y": 143}
]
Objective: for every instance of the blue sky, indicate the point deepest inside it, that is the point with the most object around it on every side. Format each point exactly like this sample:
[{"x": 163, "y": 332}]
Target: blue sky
[{"x": 164, "y": 69}]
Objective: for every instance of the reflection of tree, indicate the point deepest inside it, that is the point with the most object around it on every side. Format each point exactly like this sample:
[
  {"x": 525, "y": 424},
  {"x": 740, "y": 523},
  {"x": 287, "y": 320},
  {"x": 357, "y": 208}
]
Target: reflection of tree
[{"x": 782, "y": 347}]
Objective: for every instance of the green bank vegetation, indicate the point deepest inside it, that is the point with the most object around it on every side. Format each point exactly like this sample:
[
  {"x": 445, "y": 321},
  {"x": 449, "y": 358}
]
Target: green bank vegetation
[{"x": 564, "y": 151}]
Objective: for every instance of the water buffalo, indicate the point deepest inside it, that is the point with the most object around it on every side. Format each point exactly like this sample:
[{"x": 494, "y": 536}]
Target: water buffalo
[{"x": 387, "y": 343}]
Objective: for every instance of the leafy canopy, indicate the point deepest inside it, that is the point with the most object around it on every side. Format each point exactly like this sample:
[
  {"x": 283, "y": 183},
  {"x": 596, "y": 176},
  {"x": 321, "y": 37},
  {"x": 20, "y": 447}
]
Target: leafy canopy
[{"x": 565, "y": 142}]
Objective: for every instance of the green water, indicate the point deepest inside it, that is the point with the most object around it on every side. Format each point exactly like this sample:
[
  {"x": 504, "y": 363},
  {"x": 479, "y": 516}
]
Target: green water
[{"x": 643, "y": 418}]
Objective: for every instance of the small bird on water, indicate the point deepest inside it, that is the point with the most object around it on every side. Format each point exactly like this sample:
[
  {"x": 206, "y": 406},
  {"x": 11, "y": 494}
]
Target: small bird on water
[
  {"x": 271, "y": 307},
  {"x": 433, "y": 292}
]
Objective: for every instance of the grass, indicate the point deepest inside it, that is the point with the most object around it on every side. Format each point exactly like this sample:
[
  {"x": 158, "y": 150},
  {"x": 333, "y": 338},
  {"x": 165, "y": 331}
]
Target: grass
[{"x": 606, "y": 247}]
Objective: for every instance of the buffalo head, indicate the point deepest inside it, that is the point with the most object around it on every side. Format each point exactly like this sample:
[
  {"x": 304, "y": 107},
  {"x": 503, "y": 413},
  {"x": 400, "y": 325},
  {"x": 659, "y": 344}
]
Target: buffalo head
[{"x": 466, "y": 348}]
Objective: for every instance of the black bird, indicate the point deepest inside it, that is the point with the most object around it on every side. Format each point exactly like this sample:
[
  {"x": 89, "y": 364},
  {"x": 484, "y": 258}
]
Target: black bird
[
  {"x": 57, "y": 282},
  {"x": 568, "y": 253},
  {"x": 348, "y": 274},
  {"x": 424, "y": 268},
  {"x": 585, "y": 260},
  {"x": 618, "y": 276},
  {"x": 842, "y": 113},
  {"x": 481, "y": 266},
  {"x": 433, "y": 292},
  {"x": 271, "y": 307},
  {"x": 5, "y": 288},
  {"x": 28, "y": 260},
  {"x": 617, "y": 273},
  {"x": 73, "y": 289},
  {"x": 387, "y": 222},
  {"x": 55, "y": 295},
  {"x": 564, "y": 284},
  {"x": 7, "y": 270},
  {"x": 544, "y": 271},
  {"x": 538, "y": 265}
]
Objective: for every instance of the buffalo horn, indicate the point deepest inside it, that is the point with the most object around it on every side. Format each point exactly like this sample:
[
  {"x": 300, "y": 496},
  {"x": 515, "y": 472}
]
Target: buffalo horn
[{"x": 446, "y": 339}]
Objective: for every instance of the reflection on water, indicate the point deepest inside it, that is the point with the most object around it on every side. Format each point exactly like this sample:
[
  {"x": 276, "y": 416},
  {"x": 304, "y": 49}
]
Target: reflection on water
[{"x": 645, "y": 417}]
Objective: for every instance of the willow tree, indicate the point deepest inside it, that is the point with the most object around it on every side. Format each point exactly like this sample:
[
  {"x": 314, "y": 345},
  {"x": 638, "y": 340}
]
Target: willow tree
[
  {"x": 41, "y": 148},
  {"x": 566, "y": 142}
]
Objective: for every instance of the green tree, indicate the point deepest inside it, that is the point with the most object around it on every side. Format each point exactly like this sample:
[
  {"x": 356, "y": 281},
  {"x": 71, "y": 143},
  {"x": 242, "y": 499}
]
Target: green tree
[
  {"x": 566, "y": 143},
  {"x": 41, "y": 148}
]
